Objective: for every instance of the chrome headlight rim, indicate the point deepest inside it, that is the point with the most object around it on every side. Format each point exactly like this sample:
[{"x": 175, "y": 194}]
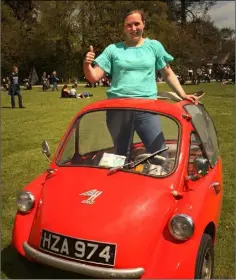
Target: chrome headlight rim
[
  {"x": 31, "y": 202},
  {"x": 188, "y": 219}
]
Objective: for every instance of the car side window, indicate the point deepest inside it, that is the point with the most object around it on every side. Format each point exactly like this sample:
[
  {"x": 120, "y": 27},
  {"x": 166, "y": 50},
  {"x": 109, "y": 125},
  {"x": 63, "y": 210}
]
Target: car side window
[
  {"x": 206, "y": 131},
  {"x": 195, "y": 150}
]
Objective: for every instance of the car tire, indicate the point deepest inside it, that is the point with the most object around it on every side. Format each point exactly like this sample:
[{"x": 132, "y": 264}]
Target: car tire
[{"x": 205, "y": 258}]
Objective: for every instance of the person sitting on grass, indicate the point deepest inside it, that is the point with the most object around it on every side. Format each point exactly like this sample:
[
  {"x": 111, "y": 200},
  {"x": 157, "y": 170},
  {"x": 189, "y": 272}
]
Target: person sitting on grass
[
  {"x": 73, "y": 92},
  {"x": 65, "y": 92}
]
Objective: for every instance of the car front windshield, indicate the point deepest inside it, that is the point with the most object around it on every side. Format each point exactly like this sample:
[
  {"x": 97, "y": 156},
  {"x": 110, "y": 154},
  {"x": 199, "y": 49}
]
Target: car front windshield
[{"x": 114, "y": 138}]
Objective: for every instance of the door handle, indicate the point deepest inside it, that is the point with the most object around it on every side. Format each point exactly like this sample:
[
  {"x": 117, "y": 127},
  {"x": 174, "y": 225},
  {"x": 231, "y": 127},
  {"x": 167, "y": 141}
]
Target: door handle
[{"x": 216, "y": 186}]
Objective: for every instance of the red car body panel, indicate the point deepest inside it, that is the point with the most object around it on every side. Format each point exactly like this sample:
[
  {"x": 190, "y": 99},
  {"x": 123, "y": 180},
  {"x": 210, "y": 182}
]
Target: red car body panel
[
  {"x": 133, "y": 209},
  {"x": 23, "y": 222}
]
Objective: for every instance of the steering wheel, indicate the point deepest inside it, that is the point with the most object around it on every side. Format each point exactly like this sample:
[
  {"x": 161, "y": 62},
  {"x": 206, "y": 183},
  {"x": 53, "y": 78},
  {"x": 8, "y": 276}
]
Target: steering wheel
[{"x": 157, "y": 157}]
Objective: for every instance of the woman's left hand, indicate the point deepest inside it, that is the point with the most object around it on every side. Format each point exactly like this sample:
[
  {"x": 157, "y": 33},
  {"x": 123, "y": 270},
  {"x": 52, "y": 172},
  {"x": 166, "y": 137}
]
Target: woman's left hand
[{"x": 191, "y": 98}]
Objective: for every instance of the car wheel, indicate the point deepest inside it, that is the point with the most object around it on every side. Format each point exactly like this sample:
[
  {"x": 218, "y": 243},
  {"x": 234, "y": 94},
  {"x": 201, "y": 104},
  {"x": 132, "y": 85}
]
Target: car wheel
[{"x": 205, "y": 258}]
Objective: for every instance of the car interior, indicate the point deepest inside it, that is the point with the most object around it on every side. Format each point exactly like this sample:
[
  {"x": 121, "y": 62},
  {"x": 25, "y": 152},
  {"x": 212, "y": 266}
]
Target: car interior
[{"x": 138, "y": 152}]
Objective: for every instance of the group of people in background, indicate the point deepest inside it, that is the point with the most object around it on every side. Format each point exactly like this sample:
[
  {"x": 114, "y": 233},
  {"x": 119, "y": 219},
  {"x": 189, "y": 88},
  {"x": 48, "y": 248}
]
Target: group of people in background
[
  {"x": 225, "y": 73},
  {"x": 205, "y": 74},
  {"x": 220, "y": 73},
  {"x": 66, "y": 92},
  {"x": 105, "y": 82},
  {"x": 52, "y": 79}
]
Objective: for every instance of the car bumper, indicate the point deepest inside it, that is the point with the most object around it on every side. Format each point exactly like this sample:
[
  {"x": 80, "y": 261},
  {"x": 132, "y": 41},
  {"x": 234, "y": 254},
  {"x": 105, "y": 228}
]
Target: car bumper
[{"x": 88, "y": 270}]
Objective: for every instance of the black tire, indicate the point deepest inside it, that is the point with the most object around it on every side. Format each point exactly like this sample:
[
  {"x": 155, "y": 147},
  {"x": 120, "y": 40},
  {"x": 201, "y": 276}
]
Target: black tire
[{"x": 205, "y": 257}]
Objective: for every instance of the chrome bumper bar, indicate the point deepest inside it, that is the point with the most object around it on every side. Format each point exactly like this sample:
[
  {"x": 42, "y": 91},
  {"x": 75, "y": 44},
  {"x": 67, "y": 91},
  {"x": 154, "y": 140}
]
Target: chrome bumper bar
[{"x": 87, "y": 270}]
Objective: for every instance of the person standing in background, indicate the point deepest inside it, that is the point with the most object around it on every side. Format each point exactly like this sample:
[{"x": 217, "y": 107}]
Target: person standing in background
[
  {"x": 14, "y": 88},
  {"x": 44, "y": 81},
  {"x": 54, "y": 80}
]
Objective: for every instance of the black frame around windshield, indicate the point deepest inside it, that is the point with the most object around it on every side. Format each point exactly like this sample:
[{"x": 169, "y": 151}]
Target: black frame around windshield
[{"x": 210, "y": 142}]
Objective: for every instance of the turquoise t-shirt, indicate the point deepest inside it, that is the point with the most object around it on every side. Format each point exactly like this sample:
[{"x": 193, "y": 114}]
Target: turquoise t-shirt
[{"x": 133, "y": 69}]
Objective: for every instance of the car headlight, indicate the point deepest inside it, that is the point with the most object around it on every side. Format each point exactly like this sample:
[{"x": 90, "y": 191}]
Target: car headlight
[
  {"x": 25, "y": 202},
  {"x": 181, "y": 226}
]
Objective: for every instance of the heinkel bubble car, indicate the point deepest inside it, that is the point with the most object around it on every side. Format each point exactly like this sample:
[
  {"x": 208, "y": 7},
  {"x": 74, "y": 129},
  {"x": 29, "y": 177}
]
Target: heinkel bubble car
[{"x": 136, "y": 214}]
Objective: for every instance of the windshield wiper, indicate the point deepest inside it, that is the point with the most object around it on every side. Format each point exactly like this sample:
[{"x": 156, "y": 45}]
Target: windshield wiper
[
  {"x": 117, "y": 168},
  {"x": 134, "y": 164},
  {"x": 148, "y": 157}
]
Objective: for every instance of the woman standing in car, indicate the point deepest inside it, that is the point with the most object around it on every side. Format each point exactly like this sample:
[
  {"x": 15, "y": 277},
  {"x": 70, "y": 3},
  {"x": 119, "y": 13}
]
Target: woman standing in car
[{"x": 133, "y": 64}]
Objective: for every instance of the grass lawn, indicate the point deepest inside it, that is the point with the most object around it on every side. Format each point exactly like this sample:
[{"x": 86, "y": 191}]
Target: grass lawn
[{"x": 47, "y": 116}]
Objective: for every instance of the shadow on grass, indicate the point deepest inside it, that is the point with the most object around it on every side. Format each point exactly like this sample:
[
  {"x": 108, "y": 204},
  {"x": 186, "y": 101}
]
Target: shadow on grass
[
  {"x": 7, "y": 107},
  {"x": 14, "y": 266}
]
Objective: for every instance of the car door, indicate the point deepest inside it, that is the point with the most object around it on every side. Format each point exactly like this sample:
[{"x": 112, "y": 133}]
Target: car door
[{"x": 204, "y": 144}]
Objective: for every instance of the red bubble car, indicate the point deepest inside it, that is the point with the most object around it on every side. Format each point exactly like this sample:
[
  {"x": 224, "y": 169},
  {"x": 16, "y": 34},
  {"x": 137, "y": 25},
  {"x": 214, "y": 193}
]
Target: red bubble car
[{"x": 103, "y": 213}]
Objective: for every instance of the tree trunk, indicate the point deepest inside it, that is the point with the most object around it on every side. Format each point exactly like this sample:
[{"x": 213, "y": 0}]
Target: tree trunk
[{"x": 183, "y": 12}]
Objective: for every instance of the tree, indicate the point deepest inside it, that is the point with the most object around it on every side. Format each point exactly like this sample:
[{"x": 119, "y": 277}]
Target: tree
[
  {"x": 17, "y": 24},
  {"x": 55, "y": 35},
  {"x": 21, "y": 9},
  {"x": 60, "y": 32},
  {"x": 11, "y": 36},
  {"x": 181, "y": 10}
]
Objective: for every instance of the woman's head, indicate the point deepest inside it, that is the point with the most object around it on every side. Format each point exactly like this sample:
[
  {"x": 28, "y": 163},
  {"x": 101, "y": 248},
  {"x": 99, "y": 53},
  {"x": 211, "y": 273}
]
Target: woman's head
[{"x": 134, "y": 23}]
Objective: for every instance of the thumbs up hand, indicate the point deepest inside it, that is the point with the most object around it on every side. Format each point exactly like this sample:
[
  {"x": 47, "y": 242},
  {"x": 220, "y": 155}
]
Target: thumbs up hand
[{"x": 89, "y": 58}]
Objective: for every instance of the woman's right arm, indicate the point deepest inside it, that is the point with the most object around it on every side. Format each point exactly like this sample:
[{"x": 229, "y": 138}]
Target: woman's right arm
[{"x": 92, "y": 74}]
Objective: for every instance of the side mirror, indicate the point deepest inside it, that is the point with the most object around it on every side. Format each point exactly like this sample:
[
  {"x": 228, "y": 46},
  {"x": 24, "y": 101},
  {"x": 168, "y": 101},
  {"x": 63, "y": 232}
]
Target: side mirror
[
  {"x": 201, "y": 165},
  {"x": 46, "y": 149}
]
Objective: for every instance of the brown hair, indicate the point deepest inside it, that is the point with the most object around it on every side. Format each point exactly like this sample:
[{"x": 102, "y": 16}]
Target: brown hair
[{"x": 141, "y": 12}]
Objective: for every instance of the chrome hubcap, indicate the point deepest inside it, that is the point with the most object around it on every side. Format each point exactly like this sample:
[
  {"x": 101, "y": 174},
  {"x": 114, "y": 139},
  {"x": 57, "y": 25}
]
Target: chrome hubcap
[{"x": 207, "y": 265}]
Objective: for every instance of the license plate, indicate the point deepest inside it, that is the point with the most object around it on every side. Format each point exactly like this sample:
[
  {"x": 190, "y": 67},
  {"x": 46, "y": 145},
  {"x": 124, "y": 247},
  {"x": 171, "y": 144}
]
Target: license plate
[{"x": 78, "y": 249}]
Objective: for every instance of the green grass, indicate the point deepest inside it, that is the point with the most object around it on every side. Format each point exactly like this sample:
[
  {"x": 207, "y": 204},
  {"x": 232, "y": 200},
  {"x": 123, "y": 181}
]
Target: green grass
[{"x": 47, "y": 116}]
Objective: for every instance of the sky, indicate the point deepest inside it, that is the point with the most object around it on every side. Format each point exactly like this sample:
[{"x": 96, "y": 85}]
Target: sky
[{"x": 223, "y": 14}]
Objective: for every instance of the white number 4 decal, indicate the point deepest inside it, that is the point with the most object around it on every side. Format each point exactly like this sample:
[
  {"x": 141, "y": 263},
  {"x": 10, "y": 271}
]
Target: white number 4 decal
[{"x": 105, "y": 253}]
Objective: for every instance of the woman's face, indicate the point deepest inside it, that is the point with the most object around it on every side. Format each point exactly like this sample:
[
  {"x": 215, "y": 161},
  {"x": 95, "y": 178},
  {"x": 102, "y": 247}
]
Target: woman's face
[{"x": 133, "y": 27}]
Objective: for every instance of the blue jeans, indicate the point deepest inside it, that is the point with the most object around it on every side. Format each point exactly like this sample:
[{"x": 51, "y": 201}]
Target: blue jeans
[
  {"x": 121, "y": 124},
  {"x": 54, "y": 86},
  {"x": 13, "y": 91}
]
